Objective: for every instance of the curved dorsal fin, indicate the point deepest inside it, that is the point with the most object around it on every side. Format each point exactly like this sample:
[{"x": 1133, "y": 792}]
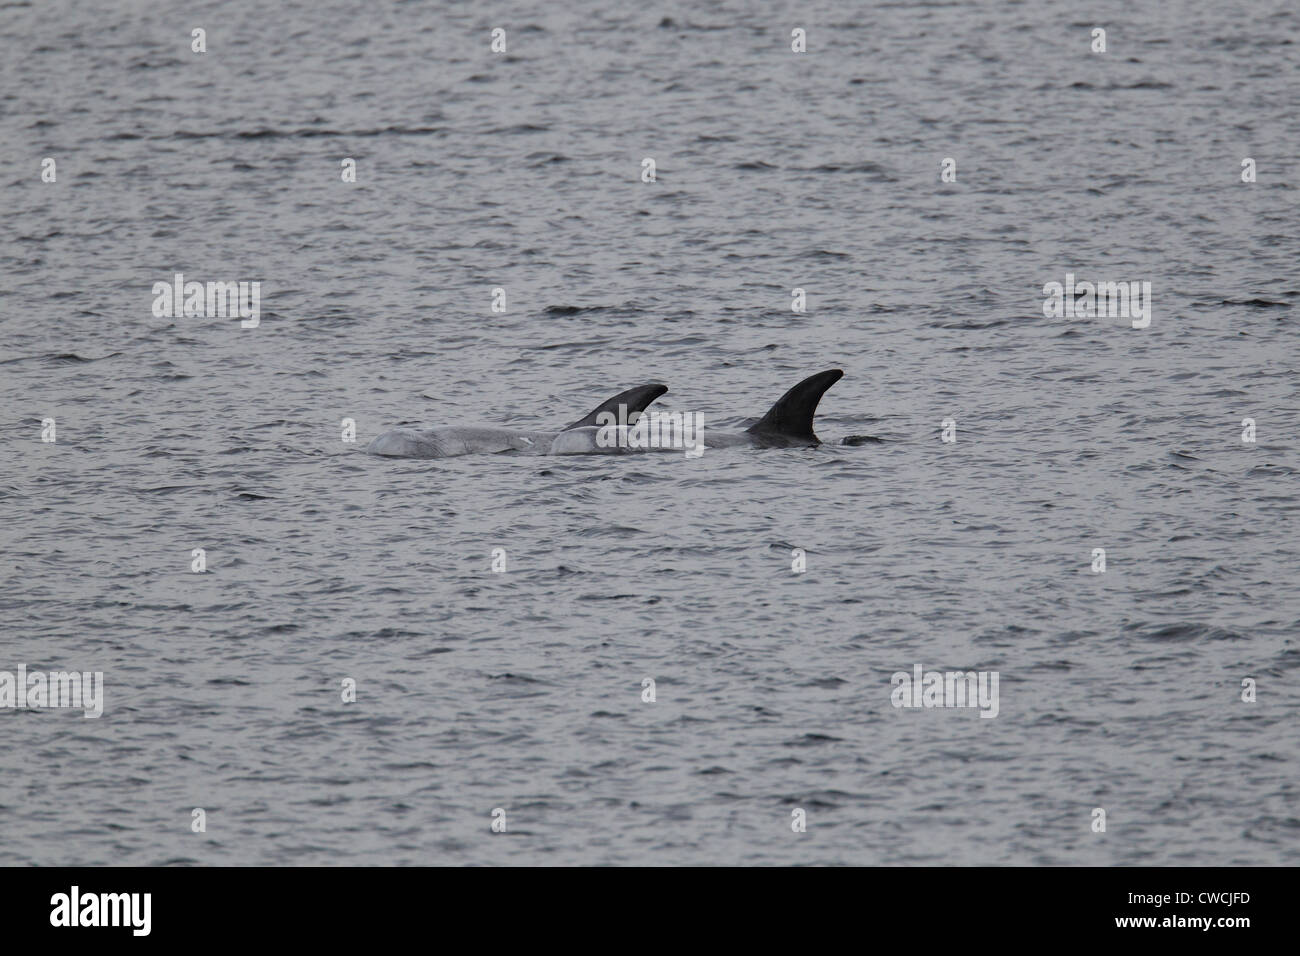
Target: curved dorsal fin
[
  {"x": 635, "y": 398},
  {"x": 792, "y": 415}
]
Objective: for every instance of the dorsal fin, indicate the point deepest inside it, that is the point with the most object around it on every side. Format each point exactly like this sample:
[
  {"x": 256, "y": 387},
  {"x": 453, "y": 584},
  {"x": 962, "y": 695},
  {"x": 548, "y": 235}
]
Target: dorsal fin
[
  {"x": 635, "y": 398},
  {"x": 792, "y": 415}
]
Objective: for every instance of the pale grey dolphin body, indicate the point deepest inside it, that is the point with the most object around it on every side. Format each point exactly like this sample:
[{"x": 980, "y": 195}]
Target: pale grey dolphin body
[
  {"x": 787, "y": 423},
  {"x": 450, "y": 441}
]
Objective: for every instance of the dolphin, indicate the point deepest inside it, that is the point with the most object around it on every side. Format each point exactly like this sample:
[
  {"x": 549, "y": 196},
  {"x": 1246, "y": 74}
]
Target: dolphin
[
  {"x": 788, "y": 423},
  {"x": 449, "y": 441}
]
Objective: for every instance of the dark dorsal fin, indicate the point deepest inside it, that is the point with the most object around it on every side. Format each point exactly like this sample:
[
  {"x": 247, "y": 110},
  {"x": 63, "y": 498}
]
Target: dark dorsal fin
[
  {"x": 635, "y": 398},
  {"x": 792, "y": 415}
]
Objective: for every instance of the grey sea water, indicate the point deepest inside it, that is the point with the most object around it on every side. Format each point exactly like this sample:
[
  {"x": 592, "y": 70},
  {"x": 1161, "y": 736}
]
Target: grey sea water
[{"x": 522, "y": 690}]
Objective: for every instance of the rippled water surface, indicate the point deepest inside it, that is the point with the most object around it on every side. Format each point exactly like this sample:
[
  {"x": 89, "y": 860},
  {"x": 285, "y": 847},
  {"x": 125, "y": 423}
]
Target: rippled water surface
[{"x": 523, "y": 690}]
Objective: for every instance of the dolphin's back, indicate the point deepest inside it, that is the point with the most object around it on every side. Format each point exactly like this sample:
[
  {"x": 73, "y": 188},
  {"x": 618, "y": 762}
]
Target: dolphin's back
[
  {"x": 452, "y": 441},
  {"x": 581, "y": 440}
]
